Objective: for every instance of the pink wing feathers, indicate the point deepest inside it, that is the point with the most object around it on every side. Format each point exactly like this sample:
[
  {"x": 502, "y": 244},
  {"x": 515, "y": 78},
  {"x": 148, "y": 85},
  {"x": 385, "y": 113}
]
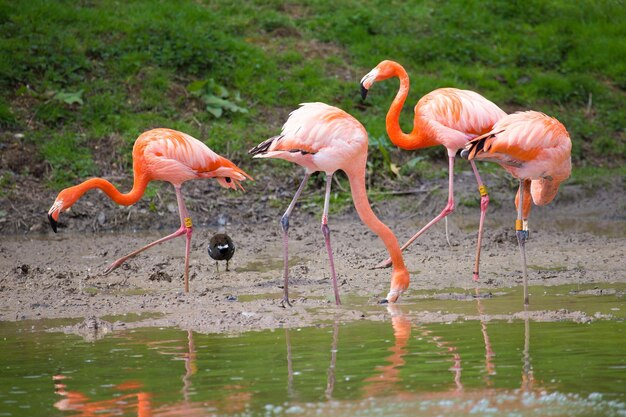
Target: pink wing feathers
[
  {"x": 530, "y": 145},
  {"x": 317, "y": 136},
  {"x": 458, "y": 115},
  {"x": 176, "y": 157}
]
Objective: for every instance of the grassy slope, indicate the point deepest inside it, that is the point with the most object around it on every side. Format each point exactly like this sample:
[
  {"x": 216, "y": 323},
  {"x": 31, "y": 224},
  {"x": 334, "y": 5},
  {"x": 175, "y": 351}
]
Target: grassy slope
[{"x": 79, "y": 76}]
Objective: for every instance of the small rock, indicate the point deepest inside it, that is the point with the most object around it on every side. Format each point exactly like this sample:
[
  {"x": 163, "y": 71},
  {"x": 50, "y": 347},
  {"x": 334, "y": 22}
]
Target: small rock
[{"x": 160, "y": 276}]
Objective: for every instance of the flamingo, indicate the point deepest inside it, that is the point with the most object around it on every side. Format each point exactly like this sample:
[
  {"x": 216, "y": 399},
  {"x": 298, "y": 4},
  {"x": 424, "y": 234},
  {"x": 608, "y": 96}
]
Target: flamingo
[
  {"x": 446, "y": 116},
  {"x": 164, "y": 155},
  {"x": 320, "y": 137},
  {"x": 535, "y": 149}
]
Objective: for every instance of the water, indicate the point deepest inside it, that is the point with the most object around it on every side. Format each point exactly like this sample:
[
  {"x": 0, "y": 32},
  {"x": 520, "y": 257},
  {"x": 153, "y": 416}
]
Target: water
[{"x": 397, "y": 367}]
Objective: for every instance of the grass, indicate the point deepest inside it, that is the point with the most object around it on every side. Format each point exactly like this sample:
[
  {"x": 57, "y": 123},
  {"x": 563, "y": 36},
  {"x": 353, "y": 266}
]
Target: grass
[{"x": 72, "y": 73}]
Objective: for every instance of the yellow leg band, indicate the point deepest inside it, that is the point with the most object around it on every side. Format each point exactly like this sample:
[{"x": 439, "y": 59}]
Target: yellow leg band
[
  {"x": 188, "y": 222},
  {"x": 482, "y": 190},
  {"x": 519, "y": 224}
]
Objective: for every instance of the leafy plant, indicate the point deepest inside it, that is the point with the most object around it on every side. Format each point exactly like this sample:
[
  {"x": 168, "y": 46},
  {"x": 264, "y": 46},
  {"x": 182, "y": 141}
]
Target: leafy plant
[
  {"x": 216, "y": 97},
  {"x": 69, "y": 97},
  {"x": 382, "y": 147}
]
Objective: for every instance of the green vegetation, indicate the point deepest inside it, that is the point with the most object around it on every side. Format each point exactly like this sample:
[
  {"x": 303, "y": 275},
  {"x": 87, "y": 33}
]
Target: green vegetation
[{"x": 73, "y": 73}]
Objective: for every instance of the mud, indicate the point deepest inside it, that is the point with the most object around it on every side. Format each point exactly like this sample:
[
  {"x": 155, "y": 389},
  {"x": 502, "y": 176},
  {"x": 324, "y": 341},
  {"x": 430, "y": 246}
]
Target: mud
[{"x": 576, "y": 240}]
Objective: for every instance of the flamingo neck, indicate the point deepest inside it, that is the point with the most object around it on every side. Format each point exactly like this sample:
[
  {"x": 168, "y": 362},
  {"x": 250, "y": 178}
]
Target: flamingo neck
[
  {"x": 421, "y": 136},
  {"x": 125, "y": 199},
  {"x": 363, "y": 208}
]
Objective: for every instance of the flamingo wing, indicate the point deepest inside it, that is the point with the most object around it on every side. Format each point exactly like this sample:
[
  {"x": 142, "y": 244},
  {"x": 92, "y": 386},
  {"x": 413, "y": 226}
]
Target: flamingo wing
[
  {"x": 530, "y": 145},
  {"x": 461, "y": 110},
  {"x": 176, "y": 157},
  {"x": 317, "y": 136},
  {"x": 535, "y": 144}
]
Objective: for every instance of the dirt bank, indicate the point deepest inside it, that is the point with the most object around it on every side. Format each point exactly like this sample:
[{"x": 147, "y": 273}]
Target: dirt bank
[{"x": 46, "y": 275}]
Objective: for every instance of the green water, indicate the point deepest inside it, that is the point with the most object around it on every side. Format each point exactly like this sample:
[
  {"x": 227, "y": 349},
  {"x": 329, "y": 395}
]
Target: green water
[{"x": 394, "y": 368}]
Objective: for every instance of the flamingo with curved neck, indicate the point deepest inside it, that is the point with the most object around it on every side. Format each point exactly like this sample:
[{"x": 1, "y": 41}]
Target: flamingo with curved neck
[
  {"x": 165, "y": 155},
  {"x": 320, "y": 137},
  {"x": 446, "y": 116}
]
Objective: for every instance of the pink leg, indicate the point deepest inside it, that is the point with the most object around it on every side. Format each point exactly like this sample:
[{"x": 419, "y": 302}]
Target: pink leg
[
  {"x": 484, "y": 203},
  {"x": 326, "y": 232},
  {"x": 449, "y": 208},
  {"x": 185, "y": 229},
  {"x": 284, "y": 222}
]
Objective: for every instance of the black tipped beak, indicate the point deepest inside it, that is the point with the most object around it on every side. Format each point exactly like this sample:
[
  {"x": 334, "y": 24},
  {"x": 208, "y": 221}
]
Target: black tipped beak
[
  {"x": 53, "y": 223},
  {"x": 363, "y": 92},
  {"x": 463, "y": 153}
]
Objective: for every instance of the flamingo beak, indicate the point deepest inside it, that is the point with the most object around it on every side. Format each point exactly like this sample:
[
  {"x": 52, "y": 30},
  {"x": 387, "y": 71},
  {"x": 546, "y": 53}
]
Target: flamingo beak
[
  {"x": 363, "y": 91},
  {"x": 367, "y": 81},
  {"x": 53, "y": 222}
]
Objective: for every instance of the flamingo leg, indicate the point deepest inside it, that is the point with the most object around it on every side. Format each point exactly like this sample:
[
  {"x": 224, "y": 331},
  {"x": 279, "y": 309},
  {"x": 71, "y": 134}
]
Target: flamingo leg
[
  {"x": 449, "y": 208},
  {"x": 521, "y": 238},
  {"x": 184, "y": 229},
  {"x": 326, "y": 232},
  {"x": 284, "y": 223},
  {"x": 484, "y": 203}
]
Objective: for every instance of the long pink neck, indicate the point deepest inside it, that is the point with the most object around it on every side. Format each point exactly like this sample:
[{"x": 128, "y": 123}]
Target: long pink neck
[
  {"x": 362, "y": 205},
  {"x": 127, "y": 199},
  {"x": 421, "y": 135}
]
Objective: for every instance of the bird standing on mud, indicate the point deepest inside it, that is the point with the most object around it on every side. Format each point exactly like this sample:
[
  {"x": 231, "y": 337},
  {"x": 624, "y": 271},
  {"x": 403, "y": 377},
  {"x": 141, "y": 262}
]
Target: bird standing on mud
[
  {"x": 534, "y": 148},
  {"x": 446, "y": 116},
  {"x": 320, "y": 137},
  {"x": 163, "y": 155},
  {"x": 221, "y": 248}
]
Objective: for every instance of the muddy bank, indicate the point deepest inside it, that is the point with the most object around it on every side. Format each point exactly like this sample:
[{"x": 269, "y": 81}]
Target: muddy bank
[{"x": 44, "y": 275}]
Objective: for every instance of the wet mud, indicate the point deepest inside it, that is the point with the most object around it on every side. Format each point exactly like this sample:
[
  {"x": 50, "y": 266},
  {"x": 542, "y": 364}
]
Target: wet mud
[{"x": 45, "y": 275}]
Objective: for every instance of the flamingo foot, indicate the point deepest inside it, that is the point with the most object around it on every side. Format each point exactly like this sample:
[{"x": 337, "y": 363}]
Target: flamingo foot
[
  {"x": 285, "y": 301},
  {"x": 383, "y": 264}
]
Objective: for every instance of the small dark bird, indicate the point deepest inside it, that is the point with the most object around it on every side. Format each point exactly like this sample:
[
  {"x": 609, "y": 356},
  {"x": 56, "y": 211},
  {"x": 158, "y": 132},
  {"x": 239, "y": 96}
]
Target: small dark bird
[{"x": 221, "y": 248}]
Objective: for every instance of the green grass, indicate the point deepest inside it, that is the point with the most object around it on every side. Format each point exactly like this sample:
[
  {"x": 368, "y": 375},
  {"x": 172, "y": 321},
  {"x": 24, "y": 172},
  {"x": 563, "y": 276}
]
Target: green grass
[{"x": 72, "y": 73}]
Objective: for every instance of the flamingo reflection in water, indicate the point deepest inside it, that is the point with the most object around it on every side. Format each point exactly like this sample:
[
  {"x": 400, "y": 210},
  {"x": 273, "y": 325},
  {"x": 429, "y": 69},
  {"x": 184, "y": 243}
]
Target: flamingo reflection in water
[
  {"x": 490, "y": 366},
  {"x": 388, "y": 389},
  {"x": 236, "y": 398},
  {"x": 80, "y": 403},
  {"x": 388, "y": 380},
  {"x": 330, "y": 373},
  {"x": 134, "y": 399}
]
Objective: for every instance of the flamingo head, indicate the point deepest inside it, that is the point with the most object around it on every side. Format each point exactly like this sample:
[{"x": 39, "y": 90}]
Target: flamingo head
[
  {"x": 399, "y": 283},
  {"x": 63, "y": 202},
  {"x": 386, "y": 69}
]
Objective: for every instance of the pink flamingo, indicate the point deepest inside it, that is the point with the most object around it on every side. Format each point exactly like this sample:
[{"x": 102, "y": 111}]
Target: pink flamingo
[
  {"x": 164, "y": 155},
  {"x": 446, "y": 116},
  {"x": 324, "y": 138},
  {"x": 534, "y": 148}
]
